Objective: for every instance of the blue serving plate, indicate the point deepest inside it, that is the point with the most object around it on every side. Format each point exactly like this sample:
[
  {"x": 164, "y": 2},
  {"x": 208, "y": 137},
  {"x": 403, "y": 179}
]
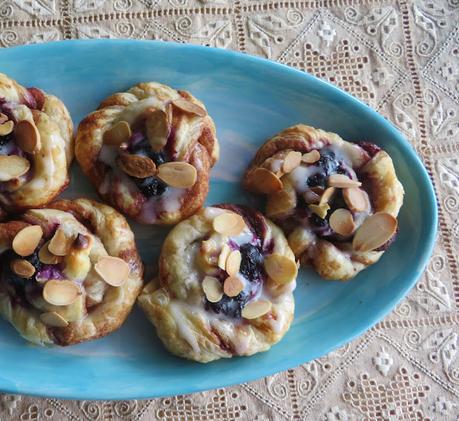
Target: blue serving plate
[{"x": 250, "y": 100}]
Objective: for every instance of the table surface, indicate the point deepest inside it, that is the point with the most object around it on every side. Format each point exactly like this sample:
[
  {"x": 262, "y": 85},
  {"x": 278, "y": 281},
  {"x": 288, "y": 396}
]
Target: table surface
[{"x": 401, "y": 58}]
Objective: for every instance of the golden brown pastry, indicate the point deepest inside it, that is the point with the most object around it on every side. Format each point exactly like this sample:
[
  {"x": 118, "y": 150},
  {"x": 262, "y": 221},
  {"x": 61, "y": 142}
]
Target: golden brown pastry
[
  {"x": 36, "y": 146},
  {"x": 336, "y": 201},
  {"x": 69, "y": 273},
  {"x": 149, "y": 151},
  {"x": 226, "y": 277}
]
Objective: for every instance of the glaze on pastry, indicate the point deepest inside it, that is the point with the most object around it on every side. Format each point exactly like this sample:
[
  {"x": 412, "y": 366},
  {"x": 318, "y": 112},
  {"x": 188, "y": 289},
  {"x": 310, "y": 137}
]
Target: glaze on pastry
[
  {"x": 149, "y": 151},
  {"x": 226, "y": 277},
  {"x": 69, "y": 273},
  {"x": 336, "y": 201},
  {"x": 36, "y": 146}
]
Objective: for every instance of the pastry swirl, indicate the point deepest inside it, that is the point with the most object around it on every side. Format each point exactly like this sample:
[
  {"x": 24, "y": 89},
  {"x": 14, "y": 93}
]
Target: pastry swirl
[
  {"x": 36, "y": 146},
  {"x": 336, "y": 201},
  {"x": 149, "y": 151},
  {"x": 226, "y": 277},
  {"x": 70, "y": 273}
]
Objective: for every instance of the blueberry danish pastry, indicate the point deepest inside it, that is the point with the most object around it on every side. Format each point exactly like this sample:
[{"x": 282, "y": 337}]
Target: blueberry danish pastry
[
  {"x": 336, "y": 201},
  {"x": 226, "y": 277},
  {"x": 149, "y": 151},
  {"x": 36, "y": 146},
  {"x": 69, "y": 273}
]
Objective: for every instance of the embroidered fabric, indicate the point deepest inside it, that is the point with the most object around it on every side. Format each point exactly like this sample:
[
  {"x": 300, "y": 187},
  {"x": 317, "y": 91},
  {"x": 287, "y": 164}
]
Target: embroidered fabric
[{"x": 399, "y": 56}]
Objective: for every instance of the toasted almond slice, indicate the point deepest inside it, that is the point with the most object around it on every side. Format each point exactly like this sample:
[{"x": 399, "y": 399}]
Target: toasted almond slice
[
  {"x": 178, "y": 174},
  {"x": 256, "y": 309},
  {"x": 229, "y": 223},
  {"x": 282, "y": 202},
  {"x": 117, "y": 134},
  {"x": 113, "y": 270},
  {"x": 212, "y": 288},
  {"x": 341, "y": 222},
  {"x": 136, "y": 165},
  {"x": 26, "y": 240},
  {"x": 27, "y": 136},
  {"x": 291, "y": 161},
  {"x": 223, "y": 256},
  {"x": 356, "y": 199},
  {"x": 311, "y": 197},
  {"x": 53, "y": 319},
  {"x": 233, "y": 263},
  {"x": 3, "y": 118},
  {"x": 61, "y": 243},
  {"x": 22, "y": 268},
  {"x": 189, "y": 107},
  {"x": 311, "y": 157},
  {"x": 232, "y": 286},
  {"x": 280, "y": 269},
  {"x": 61, "y": 292},
  {"x": 157, "y": 127},
  {"x": 342, "y": 181},
  {"x": 264, "y": 181},
  {"x": 375, "y": 231},
  {"x": 47, "y": 257},
  {"x": 326, "y": 195},
  {"x": 320, "y": 210},
  {"x": 12, "y": 166},
  {"x": 6, "y": 128}
]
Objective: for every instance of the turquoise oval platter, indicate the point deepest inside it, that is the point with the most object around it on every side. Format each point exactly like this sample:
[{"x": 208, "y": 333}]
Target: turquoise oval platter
[{"x": 250, "y": 99}]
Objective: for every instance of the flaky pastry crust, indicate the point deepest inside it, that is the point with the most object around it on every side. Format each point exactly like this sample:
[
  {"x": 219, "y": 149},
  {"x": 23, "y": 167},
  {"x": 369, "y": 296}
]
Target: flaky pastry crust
[
  {"x": 191, "y": 139},
  {"x": 293, "y": 204},
  {"x": 100, "y": 308},
  {"x": 178, "y": 305},
  {"x": 49, "y": 165}
]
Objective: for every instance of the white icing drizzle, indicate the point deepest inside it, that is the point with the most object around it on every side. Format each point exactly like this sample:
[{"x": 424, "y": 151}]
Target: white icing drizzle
[
  {"x": 276, "y": 165},
  {"x": 299, "y": 176},
  {"x": 170, "y": 201},
  {"x": 183, "y": 325},
  {"x": 132, "y": 111}
]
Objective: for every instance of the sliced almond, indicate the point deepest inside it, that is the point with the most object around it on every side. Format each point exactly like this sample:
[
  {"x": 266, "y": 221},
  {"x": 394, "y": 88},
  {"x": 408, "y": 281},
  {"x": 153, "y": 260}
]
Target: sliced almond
[
  {"x": 117, "y": 134},
  {"x": 60, "y": 292},
  {"x": 311, "y": 157},
  {"x": 320, "y": 210},
  {"x": 356, "y": 199},
  {"x": 311, "y": 197},
  {"x": 189, "y": 107},
  {"x": 232, "y": 286},
  {"x": 264, "y": 181},
  {"x": 342, "y": 222},
  {"x": 61, "y": 243},
  {"x": 12, "y": 166},
  {"x": 327, "y": 195},
  {"x": 280, "y": 269},
  {"x": 113, "y": 270},
  {"x": 46, "y": 257},
  {"x": 136, "y": 165},
  {"x": 291, "y": 161},
  {"x": 26, "y": 240},
  {"x": 282, "y": 202},
  {"x": 3, "y": 118},
  {"x": 157, "y": 128},
  {"x": 53, "y": 319},
  {"x": 233, "y": 263},
  {"x": 223, "y": 256},
  {"x": 22, "y": 268},
  {"x": 228, "y": 223},
  {"x": 6, "y": 128},
  {"x": 27, "y": 136},
  {"x": 342, "y": 181},
  {"x": 178, "y": 174},
  {"x": 256, "y": 309},
  {"x": 375, "y": 231},
  {"x": 212, "y": 288}
]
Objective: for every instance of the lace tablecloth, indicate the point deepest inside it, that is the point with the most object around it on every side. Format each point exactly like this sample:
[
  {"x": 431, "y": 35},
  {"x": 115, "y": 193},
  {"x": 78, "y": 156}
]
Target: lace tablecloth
[{"x": 400, "y": 57}]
